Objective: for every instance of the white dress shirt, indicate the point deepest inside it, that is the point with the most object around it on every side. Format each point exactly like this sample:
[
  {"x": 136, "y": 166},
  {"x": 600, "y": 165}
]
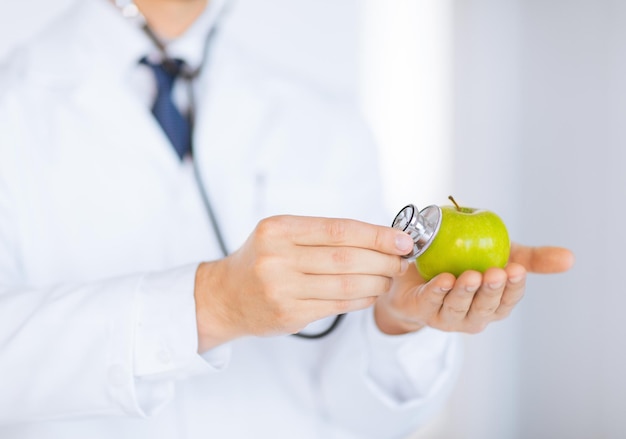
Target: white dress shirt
[{"x": 102, "y": 229}]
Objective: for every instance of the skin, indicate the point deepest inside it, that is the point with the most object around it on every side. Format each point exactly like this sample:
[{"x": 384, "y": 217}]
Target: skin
[
  {"x": 294, "y": 270},
  {"x": 470, "y": 302},
  {"x": 171, "y": 18}
]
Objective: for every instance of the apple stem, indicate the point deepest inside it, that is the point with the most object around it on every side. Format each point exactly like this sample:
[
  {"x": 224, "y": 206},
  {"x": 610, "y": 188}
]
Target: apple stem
[{"x": 451, "y": 198}]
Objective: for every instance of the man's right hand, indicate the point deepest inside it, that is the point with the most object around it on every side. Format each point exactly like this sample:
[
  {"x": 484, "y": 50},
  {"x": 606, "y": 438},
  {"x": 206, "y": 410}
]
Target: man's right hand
[{"x": 292, "y": 271}]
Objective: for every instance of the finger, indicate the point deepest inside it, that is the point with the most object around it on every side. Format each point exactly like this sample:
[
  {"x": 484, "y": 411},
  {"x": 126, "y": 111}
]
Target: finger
[
  {"x": 316, "y": 309},
  {"x": 298, "y": 314},
  {"x": 343, "y": 287},
  {"x": 429, "y": 297},
  {"x": 515, "y": 288},
  {"x": 345, "y": 260},
  {"x": 542, "y": 259},
  {"x": 458, "y": 301},
  {"x": 487, "y": 299},
  {"x": 310, "y": 231}
]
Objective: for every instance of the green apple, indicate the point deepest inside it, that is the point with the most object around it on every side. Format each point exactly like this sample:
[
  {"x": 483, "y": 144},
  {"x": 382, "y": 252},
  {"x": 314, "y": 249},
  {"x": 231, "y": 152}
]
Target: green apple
[{"x": 468, "y": 239}]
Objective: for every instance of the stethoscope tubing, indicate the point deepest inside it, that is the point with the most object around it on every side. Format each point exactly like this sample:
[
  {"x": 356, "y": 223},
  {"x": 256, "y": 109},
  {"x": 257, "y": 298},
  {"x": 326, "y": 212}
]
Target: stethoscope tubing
[{"x": 189, "y": 76}]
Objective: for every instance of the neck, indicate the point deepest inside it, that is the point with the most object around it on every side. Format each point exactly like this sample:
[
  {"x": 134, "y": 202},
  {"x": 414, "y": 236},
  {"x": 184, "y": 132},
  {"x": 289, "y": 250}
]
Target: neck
[{"x": 171, "y": 18}]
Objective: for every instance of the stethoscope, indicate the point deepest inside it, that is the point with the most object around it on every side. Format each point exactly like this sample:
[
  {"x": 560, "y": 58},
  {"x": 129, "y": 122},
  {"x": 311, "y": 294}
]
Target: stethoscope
[
  {"x": 130, "y": 11},
  {"x": 422, "y": 226},
  {"x": 189, "y": 75}
]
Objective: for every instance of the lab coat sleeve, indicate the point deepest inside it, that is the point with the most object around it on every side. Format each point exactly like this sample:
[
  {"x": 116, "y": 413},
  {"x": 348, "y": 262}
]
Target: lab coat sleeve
[
  {"x": 108, "y": 347},
  {"x": 95, "y": 349},
  {"x": 397, "y": 382},
  {"x": 369, "y": 384},
  {"x": 113, "y": 346}
]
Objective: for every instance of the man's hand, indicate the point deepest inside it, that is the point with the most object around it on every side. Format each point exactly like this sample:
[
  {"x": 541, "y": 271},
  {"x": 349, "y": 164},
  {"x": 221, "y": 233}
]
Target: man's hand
[
  {"x": 471, "y": 301},
  {"x": 292, "y": 271}
]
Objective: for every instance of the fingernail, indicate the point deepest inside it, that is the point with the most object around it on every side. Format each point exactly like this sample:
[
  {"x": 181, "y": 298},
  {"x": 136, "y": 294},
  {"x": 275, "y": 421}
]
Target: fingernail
[
  {"x": 404, "y": 243},
  {"x": 404, "y": 265},
  {"x": 471, "y": 288},
  {"x": 443, "y": 290},
  {"x": 496, "y": 285},
  {"x": 516, "y": 279}
]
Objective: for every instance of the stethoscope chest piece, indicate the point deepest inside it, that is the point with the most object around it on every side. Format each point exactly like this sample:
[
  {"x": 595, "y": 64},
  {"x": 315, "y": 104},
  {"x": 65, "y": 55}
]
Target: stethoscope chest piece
[{"x": 422, "y": 226}]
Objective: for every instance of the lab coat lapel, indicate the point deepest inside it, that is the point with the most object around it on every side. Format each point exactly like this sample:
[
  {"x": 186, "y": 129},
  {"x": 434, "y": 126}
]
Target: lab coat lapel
[
  {"x": 229, "y": 132},
  {"x": 132, "y": 131}
]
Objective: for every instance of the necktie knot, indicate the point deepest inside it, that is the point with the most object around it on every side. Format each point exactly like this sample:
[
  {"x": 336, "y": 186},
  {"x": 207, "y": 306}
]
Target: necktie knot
[
  {"x": 165, "y": 72},
  {"x": 176, "y": 127}
]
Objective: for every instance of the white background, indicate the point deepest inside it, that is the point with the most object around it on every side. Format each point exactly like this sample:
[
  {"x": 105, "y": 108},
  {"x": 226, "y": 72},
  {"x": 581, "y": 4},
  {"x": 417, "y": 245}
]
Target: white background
[{"x": 514, "y": 105}]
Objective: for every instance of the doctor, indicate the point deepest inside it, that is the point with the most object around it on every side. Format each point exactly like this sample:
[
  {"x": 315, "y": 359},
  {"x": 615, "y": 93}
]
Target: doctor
[{"x": 150, "y": 278}]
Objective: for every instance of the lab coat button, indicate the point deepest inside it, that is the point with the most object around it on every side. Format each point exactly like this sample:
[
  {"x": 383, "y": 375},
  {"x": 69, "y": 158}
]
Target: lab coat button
[{"x": 116, "y": 375}]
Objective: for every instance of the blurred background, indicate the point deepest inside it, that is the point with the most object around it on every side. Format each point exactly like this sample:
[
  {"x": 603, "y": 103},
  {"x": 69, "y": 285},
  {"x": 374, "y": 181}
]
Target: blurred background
[{"x": 518, "y": 106}]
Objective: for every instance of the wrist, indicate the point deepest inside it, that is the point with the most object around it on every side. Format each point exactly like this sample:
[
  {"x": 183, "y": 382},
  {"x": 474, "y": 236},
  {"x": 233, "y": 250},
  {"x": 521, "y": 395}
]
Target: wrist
[{"x": 211, "y": 316}]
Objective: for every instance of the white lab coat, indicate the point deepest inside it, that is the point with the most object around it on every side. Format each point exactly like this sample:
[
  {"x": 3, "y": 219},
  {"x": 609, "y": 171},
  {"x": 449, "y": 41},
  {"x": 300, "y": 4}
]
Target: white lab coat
[{"x": 102, "y": 228}]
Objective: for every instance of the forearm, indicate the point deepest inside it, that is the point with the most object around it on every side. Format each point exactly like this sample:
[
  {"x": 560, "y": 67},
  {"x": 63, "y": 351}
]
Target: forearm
[
  {"x": 96, "y": 348},
  {"x": 70, "y": 346}
]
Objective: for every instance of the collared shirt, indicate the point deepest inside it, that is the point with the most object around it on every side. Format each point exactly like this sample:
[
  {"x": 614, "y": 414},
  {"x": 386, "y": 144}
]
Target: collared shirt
[{"x": 193, "y": 46}]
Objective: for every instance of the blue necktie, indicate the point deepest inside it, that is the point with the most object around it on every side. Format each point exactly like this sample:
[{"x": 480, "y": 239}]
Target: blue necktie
[{"x": 176, "y": 127}]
